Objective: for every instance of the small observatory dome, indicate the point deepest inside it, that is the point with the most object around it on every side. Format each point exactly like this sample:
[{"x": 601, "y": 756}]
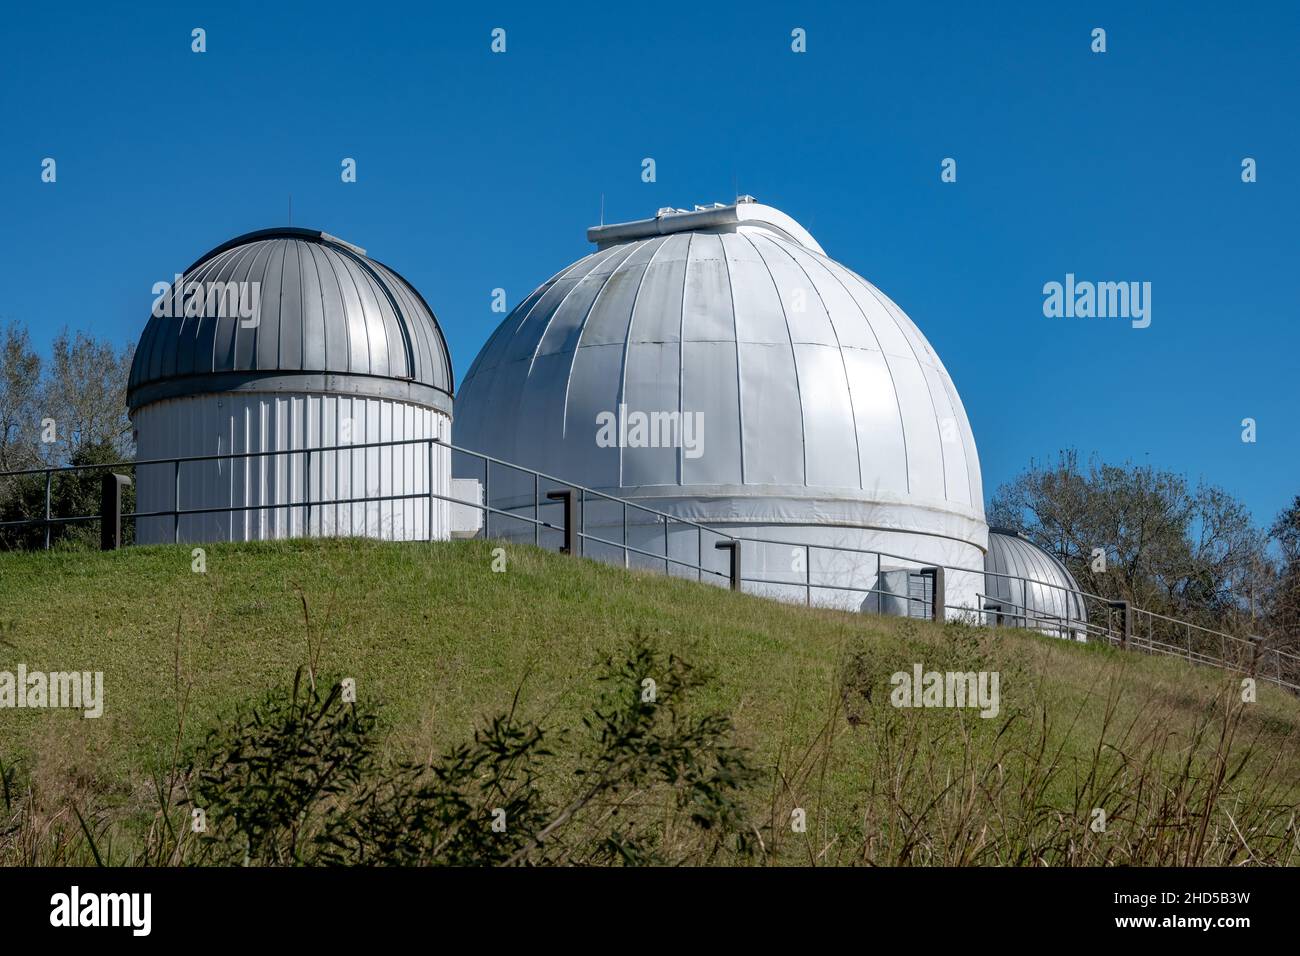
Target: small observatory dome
[
  {"x": 806, "y": 404},
  {"x": 285, "y": 340},
  {"x": 1053, "y": 605}
]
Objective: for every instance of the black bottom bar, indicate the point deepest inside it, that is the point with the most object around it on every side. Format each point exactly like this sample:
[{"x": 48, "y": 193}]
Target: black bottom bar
[{"x": 930, "y": 906}]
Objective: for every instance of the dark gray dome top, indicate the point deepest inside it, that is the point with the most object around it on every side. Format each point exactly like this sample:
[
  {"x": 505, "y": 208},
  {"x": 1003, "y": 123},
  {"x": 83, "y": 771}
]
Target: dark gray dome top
[{"x": 291, "y": 310}]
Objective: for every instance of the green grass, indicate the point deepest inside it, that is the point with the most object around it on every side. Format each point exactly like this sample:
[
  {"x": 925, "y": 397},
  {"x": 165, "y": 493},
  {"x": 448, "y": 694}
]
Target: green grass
[{"x": 440, "y": 641}]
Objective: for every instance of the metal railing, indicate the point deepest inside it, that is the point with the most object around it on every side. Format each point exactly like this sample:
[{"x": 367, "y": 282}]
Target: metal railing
[
  {"x": 307, "y": 503},
  {"x": 1144, "y": 631},
  {"x": 532, "y": 496},
  {"x": 577, "y": 509}
]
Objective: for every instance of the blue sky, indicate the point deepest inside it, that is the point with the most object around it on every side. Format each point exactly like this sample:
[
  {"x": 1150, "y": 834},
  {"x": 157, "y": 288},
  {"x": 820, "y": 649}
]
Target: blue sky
[{"x": 478, "y": 170}]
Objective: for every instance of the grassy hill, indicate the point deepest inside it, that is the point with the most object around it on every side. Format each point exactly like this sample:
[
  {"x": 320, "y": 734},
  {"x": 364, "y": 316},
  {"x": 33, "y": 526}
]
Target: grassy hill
[{"x": 1185, "y": 772}]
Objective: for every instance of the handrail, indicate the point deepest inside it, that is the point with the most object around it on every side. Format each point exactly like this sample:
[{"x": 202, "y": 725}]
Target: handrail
[{"x": 1033, "y": 618}]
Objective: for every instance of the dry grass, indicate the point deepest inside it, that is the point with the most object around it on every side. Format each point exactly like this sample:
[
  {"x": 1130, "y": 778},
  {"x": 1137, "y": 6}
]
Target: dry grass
[{"x": 1186, "y": 773}]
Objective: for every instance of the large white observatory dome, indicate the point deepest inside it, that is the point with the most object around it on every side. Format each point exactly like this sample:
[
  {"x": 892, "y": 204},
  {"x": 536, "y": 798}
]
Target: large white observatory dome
[{"x": 819, "y": 407}]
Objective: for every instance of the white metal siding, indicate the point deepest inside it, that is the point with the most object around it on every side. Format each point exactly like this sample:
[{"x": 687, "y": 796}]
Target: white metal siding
[{"x": 237, "y": 422}]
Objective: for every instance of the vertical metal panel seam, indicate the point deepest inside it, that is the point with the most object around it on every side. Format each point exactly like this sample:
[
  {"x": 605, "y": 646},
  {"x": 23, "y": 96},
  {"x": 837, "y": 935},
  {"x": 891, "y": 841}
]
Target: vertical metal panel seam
[
  {"x": 403, "y": 328},
  {"x": 848, "y": 385},
  {"x": 884, "y": 357},
  {"x": 532, "y": 360},
  {"x": 681, "y": 360},
  {"x": 335, "y": 261},
  {"x": 586, "y": 320},
  {"x": 794, "y": 359},
  {"x": 627, "y": 337},
  {"x": 735, "y": 334},
  {"x": 943, "y": 457},
  {"x": 252, "y": 264},
  {"x": 279, "y": 314},
  {"x": 325, "y": 318},
  {"x": 240, "y": 254},
  {"x": 185, "y": 350}
]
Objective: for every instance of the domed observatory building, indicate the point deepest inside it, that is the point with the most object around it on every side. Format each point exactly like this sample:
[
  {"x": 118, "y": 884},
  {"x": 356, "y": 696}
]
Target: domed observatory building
[
  {"x": 1026, "y": 586},
  {"x": 716, "y": 365},
  {"x": 291, "y": 340}
]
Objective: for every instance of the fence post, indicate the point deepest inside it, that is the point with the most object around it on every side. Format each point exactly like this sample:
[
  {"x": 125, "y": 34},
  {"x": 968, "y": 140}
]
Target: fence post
[
  {"x": 430, "y": 492},
  {"x": 668, "y": 568},
  {"x": 807, "y": 575},
  {"x": 176, "y": 503},
  {"x": 306, "y": 491},
  {"x": 48, "y": 475},
  {"x": 572, "y": 540},
  {"x": 1256, "y": 644},
  {"x": 938, "y": 598},
  {"x": 732, "y": 546},
  {"x": 1125, "y": 622},
  {"x": 110, "y": 511}
]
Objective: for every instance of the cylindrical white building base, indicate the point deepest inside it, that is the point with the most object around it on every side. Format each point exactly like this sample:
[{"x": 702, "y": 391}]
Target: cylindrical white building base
[
  {"x": 853, "y": 569},
  {"x": 302, "y": 494}
]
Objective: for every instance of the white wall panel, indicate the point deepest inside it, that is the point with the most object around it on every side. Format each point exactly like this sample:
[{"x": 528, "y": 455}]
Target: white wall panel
[{"x": 267, "y": 496}]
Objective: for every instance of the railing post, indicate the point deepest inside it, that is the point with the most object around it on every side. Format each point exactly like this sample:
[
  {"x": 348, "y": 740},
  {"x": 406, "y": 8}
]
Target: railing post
[
  {"x": 996, "y": 609},
  {"x": 487, "y": 499},
  {"x": 1256, "y": 643},
  {"x": 431, "y": 498},
  {"x": 807, "y": 575},
  {"x": 537, "y": 510},
  {"x": 572, "y": 540},
  {"x": 937, "y": 595},
  {"x": 625, "y": 552},
  {"x": 732, "y": 546},
  {"x": 668, "y": 568},
  {"x": 176, "y": 502},
  {"x": 306, "y": 490},
  {"x": 110, "y": 511},
  {"x": 1125, "y": 622},
  {"x": 48, "y": 475}
]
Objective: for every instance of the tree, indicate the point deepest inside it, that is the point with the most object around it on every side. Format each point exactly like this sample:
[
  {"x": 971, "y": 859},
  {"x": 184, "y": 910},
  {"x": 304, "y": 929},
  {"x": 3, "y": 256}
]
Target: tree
[
  {"x": 69, "y": 410},
  {"x": 72, "y": 494},
  {"x": 84, "y": 392},
  {"x": 20, "y": 375},
  {"x": 1170, "y": 547},
  {"x": 1284, "y": 604}
]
